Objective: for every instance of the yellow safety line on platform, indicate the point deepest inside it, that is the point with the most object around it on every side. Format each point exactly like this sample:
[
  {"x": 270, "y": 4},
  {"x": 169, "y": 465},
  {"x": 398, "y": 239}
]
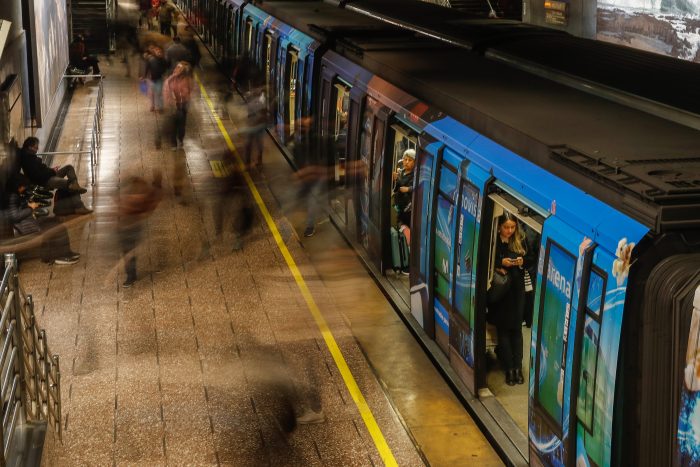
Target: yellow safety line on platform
[{"x": 366, "y": 413}]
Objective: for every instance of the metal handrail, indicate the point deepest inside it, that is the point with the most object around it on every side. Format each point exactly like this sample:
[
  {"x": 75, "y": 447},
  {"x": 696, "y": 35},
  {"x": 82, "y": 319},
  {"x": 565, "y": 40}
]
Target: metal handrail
[
  {"x": 96, "y": 135},
  {"x": 30, "y": 376}
]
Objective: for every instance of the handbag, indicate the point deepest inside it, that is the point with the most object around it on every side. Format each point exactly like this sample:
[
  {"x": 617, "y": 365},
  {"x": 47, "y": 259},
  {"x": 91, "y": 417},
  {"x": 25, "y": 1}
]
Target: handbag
[
  {"x": 500, "y": 285},
  {"x": 143, "y": 87}
]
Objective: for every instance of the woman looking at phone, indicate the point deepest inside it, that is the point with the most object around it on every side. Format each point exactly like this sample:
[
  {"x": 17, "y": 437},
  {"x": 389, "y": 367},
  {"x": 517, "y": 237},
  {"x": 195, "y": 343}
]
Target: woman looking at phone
[{"x": 511, "y": 259}]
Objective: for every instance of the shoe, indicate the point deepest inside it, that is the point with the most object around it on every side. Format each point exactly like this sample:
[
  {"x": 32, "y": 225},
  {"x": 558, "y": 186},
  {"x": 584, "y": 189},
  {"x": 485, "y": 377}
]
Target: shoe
[
  {"x": 42, "y": 202},
  {"x": 404, "y": 272},
  {"x": 74, "y": 186},
  {"x": 310, "y": 417},
  {"x": 64, "y": 261},
  {"x": 510, "y": 377},
  {"x": 518, "y": 376},
  {"x": 38, "y": 193},
  {"x": 73, "y": 255},
  {"x": 82, "y": 211},
  {"x": 310, "y": 231},
  {"x": 41, "y": 212},
  {"x": 236, "y": 244},
  {"x": 128, "y": 283}
]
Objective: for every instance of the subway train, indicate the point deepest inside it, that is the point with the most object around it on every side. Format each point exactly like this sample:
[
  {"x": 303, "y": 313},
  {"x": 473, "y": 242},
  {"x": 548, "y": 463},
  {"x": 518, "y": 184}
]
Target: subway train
[{"x": 605, "y": 187}]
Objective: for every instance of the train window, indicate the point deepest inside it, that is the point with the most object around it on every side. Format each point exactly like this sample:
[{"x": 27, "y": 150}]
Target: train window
[
  {"x": 555, "y": 305},
  {"x": 292, "y": 70},
  {"x": 594, "y": 298},
  {"x": 590, "y": 348},
  {"x": 445, "y": 215},
  {"x": 366, "y": 134},
  {"x": 340, "y": 129},
  {"x": 248, "y": 36},
  {"x": 268, "y": 61},
  {"x": 377, "y": 164},
  {"x": 589, "y": 360}
]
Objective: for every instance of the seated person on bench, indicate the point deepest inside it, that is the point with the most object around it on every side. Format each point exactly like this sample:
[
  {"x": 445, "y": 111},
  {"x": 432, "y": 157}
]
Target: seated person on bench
[
  {"x": 21, "y": 215},
  {"x": 37, "y": 172}
]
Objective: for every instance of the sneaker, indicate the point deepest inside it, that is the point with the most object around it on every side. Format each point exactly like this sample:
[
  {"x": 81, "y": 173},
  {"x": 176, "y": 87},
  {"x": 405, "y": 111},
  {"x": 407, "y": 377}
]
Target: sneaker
[
  {"x": 74, "y": 186},
  {"x": 128, "y": 283},
  {"x": 73, "y": 255},
  {"x": 66, "y": 260},
  {"x": 310, "y": 417},
  {"x": 41, "y": 212},
  {"x": 42, "y": 202},
  {"x": 404, "y": 272},
  {"x": 310, "y": 231},
  {"x": 38, "y": 193},
  {"x": 82, "y": 211}
]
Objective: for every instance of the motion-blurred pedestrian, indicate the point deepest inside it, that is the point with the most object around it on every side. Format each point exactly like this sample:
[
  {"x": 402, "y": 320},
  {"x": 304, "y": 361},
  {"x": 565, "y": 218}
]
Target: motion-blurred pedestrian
[
  {"x": 313, "y": 174},
  {"x": 154, "y": 72},
  {"x": 176, "y": 52},
  {"x": 137, "y": 200},
  {"x": 256, "y": 126},
  {"x": 165, "y": 17},
  {"x": 233, "y": 206},
  {"x": 177, "y": 92}
]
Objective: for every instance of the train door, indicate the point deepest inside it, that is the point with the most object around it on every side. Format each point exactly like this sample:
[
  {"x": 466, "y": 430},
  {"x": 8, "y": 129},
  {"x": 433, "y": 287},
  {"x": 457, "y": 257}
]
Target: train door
[
  {"x": 501, "y": 332},
  {"x": 566, "y": 258},
  {"x": 371, "y": 163},
  {"x": 463, "y": 315},
  {"x": 340, "y": 102},
  {"x": 421, "y": 228},
  {"x": 267, "y": 62},
  {"x": 444, "y": 221}
]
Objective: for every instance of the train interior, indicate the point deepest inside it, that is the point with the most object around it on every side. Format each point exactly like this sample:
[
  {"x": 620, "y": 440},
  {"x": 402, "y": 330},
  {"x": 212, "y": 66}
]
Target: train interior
[{"x": 512, "y": 398}]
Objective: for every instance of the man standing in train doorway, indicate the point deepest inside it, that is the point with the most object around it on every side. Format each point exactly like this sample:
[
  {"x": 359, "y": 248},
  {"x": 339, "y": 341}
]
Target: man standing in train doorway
[{"x": 403, "y": 190}]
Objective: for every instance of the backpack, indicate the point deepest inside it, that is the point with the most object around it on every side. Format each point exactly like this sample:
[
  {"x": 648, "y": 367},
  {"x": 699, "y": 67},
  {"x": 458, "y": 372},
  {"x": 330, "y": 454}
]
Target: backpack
[{"x": 65, "y": 202}]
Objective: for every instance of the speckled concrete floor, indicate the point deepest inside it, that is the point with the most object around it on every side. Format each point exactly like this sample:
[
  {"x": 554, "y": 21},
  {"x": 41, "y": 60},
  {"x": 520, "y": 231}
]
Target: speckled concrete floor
[{"x": 186, "y": 366}]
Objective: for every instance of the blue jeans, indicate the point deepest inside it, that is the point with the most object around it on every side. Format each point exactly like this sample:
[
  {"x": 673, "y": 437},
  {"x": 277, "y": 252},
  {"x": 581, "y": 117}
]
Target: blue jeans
[{"x": 157, "y": 94}]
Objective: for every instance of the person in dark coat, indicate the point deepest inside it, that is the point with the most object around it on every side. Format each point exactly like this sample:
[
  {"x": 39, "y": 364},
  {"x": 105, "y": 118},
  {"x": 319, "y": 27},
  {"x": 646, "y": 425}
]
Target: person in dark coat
[
  {"x": 78, "y": 56},
  {"x": 511, "y": 259},
  {"x": 21, "y": 215},
  {"x": 40, "y": 174},
  {"x": 403, "y": 189}
]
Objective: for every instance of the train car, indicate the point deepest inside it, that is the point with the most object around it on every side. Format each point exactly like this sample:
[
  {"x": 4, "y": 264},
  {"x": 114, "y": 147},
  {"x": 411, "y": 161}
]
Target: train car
[{"x": 605, "y": 195}]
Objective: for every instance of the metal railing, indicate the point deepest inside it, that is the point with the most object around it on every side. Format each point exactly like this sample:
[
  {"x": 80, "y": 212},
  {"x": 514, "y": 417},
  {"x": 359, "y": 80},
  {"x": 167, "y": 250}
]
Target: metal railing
[
  {"x": 96, "y": 134},
  {"x": 30, "y": 377}
]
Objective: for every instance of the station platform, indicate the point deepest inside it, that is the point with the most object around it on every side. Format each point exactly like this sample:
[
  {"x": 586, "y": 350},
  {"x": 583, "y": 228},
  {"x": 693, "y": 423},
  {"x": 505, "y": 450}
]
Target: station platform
[{"x": 186, "y": 367}]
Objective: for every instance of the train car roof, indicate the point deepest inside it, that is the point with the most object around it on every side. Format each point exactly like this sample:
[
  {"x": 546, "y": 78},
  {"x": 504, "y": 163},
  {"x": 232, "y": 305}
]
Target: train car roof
[
  {"x": 632, "y": 160},
  {"x": 551, "y": 53},
  {"x": 603, "y": 147},
  {"x": 324, "y": 21}
]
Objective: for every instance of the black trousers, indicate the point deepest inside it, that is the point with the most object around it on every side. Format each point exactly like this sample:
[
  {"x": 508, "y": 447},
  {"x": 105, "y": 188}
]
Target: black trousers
[
  {"x": 510, "y": 348},
  {"x": 64, "y": 177},
  {"x": 129, "y": 237}
]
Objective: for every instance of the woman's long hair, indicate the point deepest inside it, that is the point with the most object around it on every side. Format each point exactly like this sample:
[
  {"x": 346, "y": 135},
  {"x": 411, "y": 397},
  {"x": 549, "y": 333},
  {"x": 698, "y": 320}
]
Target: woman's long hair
[{"x": 515, "y": 242}]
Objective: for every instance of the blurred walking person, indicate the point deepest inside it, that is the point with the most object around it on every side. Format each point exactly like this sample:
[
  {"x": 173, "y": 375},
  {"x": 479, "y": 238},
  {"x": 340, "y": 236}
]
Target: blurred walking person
[
  {"x": 257, "y": 124},
  {"x": 165, "y": 17},
  {"x": 137, "y": 200},
  {"x": 234, "y": 201},
  {"x": 154, "y": 72},
  {"x": 177, "y": 92}
]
